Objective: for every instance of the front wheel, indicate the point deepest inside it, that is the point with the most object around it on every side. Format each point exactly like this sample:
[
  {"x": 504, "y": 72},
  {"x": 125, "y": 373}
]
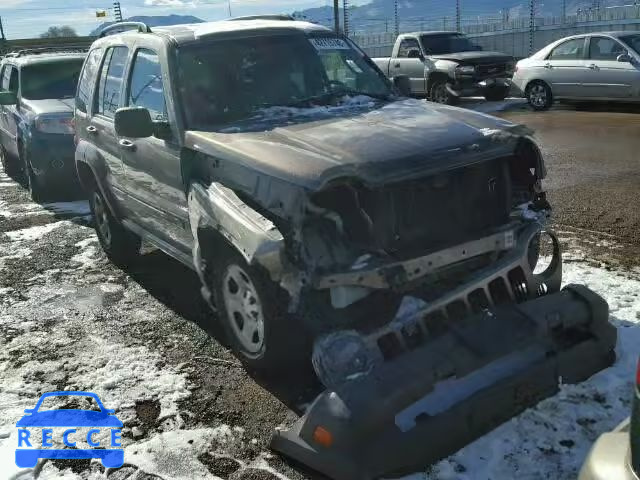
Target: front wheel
[
  {"x": 121, "y": 246},
  {"x": 539, "y": 96},
  {"x": 253, "y": 311},
  {"x": 496, "y": 94},
  {"x": 440, "y": 93}
]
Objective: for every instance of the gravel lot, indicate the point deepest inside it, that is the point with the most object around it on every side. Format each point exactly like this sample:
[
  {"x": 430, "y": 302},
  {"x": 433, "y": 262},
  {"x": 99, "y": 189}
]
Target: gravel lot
[{"x": 144, "y": 341}]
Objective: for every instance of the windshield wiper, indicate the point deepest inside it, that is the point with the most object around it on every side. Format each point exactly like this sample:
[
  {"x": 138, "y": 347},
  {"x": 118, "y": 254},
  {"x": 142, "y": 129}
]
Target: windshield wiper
[{"x": 325, "y": 97}]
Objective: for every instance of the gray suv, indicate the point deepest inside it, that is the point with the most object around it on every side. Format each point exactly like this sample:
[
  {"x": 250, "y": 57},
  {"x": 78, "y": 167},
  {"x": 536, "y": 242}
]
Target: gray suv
[
  {"x": 37, "y": 87},
  {"x": 277, "y": 161}
]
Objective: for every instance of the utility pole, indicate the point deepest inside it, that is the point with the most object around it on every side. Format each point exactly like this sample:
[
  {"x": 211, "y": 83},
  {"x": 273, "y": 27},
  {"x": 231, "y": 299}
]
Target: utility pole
[
  {"x": 564, "y": 11},
  {"x": 2, "y": 37},
  {"x": 117, "y": 11},
  {"x": 345, "y": 13},
  {"x": 229, "y": 6},
  {"x": 336, "y": 15},
  {"x": 457, "y": 15},
  {"x": 396, "y": 17}
]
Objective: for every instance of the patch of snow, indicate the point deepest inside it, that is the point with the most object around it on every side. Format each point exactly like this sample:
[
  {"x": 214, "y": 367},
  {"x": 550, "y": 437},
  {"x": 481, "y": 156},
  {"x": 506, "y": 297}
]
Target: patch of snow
[
  {"x": 33, "y": 233},
  {"x": 87, "y": 256}
]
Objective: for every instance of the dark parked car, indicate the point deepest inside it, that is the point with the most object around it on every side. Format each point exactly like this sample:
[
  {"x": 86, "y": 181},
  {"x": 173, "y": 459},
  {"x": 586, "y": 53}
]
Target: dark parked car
[
  {"x": 36, "y": 118},
  {"x": 616, "y": 454}
]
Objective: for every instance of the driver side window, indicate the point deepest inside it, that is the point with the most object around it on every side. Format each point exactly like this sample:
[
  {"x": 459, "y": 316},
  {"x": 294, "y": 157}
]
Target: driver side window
[{"x": 406, "y": 46}]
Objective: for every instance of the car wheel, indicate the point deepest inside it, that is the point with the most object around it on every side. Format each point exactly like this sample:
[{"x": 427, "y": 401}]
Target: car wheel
[
  {"x": 38, "y": 191},
  {"x": 253, "y": 312},
  {"x": 7, "y": 165},
  {"x": 496, "y": 94},
  {"x": 121, "y": 246},
  {"x": 539, "y": 96},
  {"x": 440, "y": 94}
]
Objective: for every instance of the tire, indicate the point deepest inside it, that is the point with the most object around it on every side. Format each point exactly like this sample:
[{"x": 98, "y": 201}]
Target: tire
[
  {"x": 496, "y": 94},
  {"x": 253, "y": 311},
  {"x": 439, "y": 93},
  {"x": 539, "y": 95},
  {"x": 38, "y": 191},
  {"x": 120, "y": 245},
  {"x": 8, "y": 164}
]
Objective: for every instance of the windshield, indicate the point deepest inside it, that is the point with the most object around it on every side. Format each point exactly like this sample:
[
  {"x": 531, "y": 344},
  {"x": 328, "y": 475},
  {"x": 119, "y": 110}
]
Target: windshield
[
  {"x": 633, "y": 41},
  {"x": 447, "y": 43},
  {"x": 231, "y": 80},
  {"x": 51, "y": 80}
]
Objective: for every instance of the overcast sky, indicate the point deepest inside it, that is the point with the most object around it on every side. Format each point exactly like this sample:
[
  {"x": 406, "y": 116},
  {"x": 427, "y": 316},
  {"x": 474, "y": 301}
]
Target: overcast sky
[{"x": 29, "y": 18}]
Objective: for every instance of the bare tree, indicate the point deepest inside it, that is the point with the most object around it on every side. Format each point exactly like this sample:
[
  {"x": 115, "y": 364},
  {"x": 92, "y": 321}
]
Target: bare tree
[{"x": 58, "y": 32}]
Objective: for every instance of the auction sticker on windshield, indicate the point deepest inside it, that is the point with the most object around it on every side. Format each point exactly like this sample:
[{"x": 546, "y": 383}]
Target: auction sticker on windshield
[{"x": 329, "y": 43}]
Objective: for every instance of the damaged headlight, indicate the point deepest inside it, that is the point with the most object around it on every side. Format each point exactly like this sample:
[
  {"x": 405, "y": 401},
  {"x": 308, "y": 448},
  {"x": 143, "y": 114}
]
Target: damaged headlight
[
  {"x": 465, "y": 69},
  {"x": 340, "y": 357}
]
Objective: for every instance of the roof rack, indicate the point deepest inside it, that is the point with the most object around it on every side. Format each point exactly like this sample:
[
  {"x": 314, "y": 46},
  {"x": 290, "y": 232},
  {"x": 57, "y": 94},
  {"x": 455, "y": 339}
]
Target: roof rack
[
  {"x": 282, "y": 17},
  {"x": 123, "y": 27},
  {"x": 51, "y": 49}
]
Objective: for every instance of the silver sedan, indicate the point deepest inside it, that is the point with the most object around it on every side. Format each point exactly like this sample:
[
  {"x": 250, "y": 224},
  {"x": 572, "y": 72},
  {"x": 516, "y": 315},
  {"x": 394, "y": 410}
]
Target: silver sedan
[{"x": 595, "y": 66}]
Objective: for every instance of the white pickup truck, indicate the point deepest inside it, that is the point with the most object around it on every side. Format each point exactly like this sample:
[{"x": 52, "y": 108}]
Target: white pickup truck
[{"x": 444, "y": 66}]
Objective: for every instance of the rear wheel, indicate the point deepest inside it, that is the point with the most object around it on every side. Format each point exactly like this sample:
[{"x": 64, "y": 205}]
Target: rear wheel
[
  {"x": 121, "y": 246},
  {"x": 539, "y": 95},
  {"x": 37, "y": 189},
  {"x": 253, "y": 312},
  {"x": 7, "y": 164},
  {"x": 440, "y": 94}
]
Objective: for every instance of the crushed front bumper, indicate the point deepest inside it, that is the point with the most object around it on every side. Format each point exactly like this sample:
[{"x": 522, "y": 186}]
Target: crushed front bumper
[
  {"x": 424, "y": 386},
  {"x": 468, "y": 87}
]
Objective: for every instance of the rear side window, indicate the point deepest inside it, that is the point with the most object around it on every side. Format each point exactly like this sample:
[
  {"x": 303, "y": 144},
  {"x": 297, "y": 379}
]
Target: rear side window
[
  {"x": 569, "y": 50},
  {"x": 10, "y": 79},
  {"x": 145, "y": 89},
  {"x": 110, "y": 86},
  {"x": 88, "y": 79}
]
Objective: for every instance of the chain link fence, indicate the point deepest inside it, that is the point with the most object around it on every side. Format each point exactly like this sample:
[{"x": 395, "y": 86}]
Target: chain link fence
[{"x": 516, "y": 29}]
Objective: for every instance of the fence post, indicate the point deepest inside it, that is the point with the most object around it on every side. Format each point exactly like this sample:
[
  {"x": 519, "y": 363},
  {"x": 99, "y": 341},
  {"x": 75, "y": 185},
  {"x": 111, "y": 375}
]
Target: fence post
[
  {"x": 532, "y": 24},
  {"x": 345, "y": 12},
  {"x": 457, "y": 15},
  {"x": 396, "y": 18}
]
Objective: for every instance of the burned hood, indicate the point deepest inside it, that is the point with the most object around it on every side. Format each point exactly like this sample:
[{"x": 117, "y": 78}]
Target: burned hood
[
  {"x": 475, "y": 57},
  {"x": 378, "y": 144}
]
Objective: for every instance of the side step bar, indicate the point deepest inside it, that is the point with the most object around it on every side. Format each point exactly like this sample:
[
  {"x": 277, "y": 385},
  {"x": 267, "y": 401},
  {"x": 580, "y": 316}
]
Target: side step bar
[{"x": 425, "y": 405}]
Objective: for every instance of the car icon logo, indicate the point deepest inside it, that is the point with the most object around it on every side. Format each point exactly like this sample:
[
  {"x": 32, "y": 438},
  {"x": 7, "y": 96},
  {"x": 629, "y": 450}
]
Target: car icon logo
[{"x": 31, "y": 447}]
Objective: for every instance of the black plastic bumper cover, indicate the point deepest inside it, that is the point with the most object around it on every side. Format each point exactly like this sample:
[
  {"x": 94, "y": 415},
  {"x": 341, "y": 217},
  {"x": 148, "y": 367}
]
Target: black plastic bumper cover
[{"x": 427, "y": 404}]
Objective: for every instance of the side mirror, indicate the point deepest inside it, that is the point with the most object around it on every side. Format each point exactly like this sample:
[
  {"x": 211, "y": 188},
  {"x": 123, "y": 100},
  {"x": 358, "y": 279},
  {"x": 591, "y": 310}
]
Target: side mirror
[
  {"x": 415, "y": 53},
  {"x": 8, "y": 98},
  {"x": 402, "y": 85},
  {"x": 624, "y": 58},
  {"x": 134, "y": 122}
]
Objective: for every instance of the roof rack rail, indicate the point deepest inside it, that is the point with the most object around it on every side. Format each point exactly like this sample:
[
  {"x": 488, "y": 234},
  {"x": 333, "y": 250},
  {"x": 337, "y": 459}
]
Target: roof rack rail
[
  {"x": 51, "y": 49},
  {"x": 283, "y": 17},
  {"x": 124, "y": 26}
]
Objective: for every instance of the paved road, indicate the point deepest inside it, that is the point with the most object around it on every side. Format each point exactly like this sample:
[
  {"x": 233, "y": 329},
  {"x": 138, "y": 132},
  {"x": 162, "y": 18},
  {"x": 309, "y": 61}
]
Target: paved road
[{"x": 593, "y": 161}]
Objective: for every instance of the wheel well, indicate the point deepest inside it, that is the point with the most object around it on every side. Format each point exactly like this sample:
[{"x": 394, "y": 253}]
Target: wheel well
[
  {"x": 86, "y": 176},
  {"x": 534, "y": 81},
  {"x": 435, "y": 77},
  {"x": 212, "y": 244}
]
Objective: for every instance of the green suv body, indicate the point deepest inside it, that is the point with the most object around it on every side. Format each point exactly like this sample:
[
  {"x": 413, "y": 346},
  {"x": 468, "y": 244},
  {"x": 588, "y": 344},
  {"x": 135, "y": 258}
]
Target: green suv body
[{"x": 275, "y": 159}]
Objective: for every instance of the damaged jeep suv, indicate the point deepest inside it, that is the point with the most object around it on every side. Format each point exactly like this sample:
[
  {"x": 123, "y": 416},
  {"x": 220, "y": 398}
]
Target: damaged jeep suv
[{"x": 393, "y": 243}]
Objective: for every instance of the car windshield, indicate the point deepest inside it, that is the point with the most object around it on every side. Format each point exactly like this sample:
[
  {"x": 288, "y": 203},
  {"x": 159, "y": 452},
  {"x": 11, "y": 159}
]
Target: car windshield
[
  {"x": 633, "y": 41},
  {"x": 447, "y": 43},
  {"x": 51, "y": 80},
  {"x": 231, "y": 80}
]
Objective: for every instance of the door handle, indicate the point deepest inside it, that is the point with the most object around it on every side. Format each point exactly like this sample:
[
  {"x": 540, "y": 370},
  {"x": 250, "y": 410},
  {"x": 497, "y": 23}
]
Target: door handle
[
  {"x": 593, "y": 66},
  {"x": 397, "y": 65},
  {"x": 127, "y": 144},
  {"x": 548, "y": 65},
  {"x": 91, "y": 129}
]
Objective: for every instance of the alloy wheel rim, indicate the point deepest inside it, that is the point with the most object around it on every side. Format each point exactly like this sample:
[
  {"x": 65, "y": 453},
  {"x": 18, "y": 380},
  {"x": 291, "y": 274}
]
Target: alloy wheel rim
[
  {"x": 440, "y": 94},
  {"x": 538, "y": 95},
  {"x": 244, "y": 308},
  {"x": 101, "y": 218}
]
